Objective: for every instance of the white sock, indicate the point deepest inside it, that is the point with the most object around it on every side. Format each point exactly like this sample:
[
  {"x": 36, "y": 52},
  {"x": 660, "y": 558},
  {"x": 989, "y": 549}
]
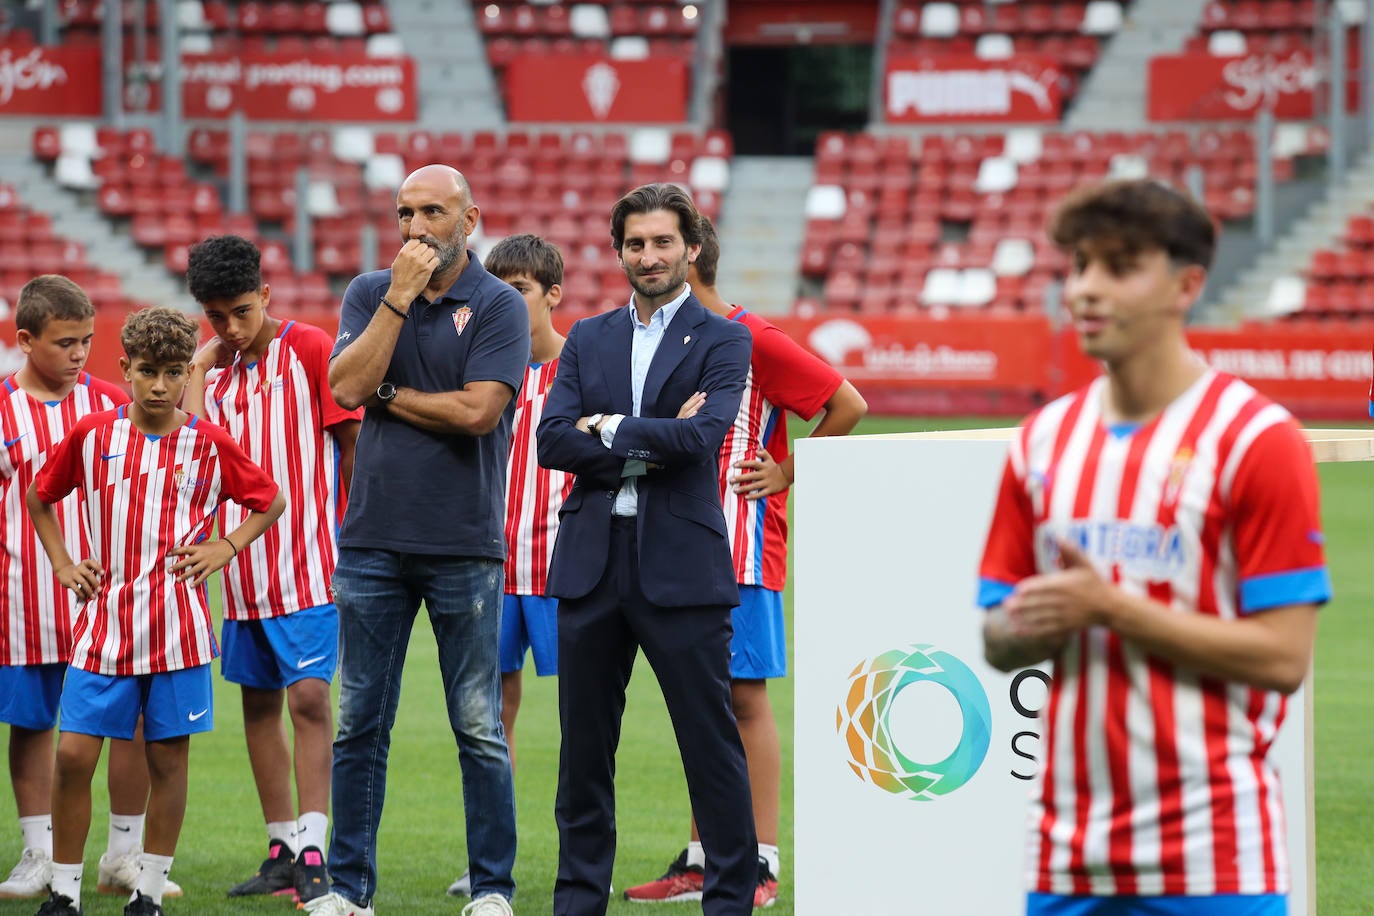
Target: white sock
[
  {"x": 284, "y": 831},
  {"x": 66, "y": 881},
  {"x": 37, "y": 832},
  {"x": 696, "y": 855},
  {"x": 126, "y": 834},
  {"x": 313, "y": 830},
  {"x": 152, "y": 877},
  {"x": 769, "y": 854}
]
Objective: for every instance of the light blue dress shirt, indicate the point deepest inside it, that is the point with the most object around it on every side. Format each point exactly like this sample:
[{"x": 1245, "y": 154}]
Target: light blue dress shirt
[{"x": 643, "y": 346}]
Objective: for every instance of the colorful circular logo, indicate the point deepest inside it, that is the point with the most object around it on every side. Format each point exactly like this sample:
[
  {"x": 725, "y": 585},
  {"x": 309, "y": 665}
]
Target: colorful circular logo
[{"x": 862, "y": 722}]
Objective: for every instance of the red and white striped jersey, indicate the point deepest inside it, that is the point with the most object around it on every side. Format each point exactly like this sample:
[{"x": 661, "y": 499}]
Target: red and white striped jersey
[
  {"x": 534, "y": 494},
  {"x": 145, "y": 495},
  {"x": 37, "y": 626},
  {"x": 783, "y": 376},
  {"x": 279, "y": 410},
  {"x": 1156, "y": 779}
]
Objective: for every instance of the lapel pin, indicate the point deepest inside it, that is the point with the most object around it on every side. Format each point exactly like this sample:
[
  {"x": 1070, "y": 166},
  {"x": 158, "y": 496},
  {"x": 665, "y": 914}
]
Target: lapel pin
[{"x": 687, "y": 339}]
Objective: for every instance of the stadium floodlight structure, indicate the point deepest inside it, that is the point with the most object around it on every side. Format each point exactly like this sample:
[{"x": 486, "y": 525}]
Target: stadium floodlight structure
[{"x": 119, "y": 89}]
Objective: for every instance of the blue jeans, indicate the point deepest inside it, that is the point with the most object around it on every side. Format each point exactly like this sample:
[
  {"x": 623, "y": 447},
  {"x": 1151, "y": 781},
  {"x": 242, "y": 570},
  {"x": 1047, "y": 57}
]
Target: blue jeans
[{"x": 378, "y": 593}]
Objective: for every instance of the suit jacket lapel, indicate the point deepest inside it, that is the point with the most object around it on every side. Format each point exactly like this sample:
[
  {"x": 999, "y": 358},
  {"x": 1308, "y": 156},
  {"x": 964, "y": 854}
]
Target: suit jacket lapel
[
  {"x": 614, "y": 343},
  {"x": 680, "y": 336}
]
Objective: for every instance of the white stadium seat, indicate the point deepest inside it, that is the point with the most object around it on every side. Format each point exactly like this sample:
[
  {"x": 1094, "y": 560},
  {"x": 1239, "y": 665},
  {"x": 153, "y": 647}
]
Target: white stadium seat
[
  {"x": 587, "y": 20},
  {"x": 1013, "y": 257},
  {"x": 825, "y": 201},
  {"x": 1226, "y": 43},
  {"x": 1023, "y": 144},
  {"x": 995, "y": 173},
  {"x": 384, "y": 171},
  {"x": 385, "y": 44},
  {"x": 709, "y": 173},
  {"x": 994, "y": 46},
  {"x": 939, "y": 20},
  {"x": 353, "y": 144},
  {"x": 941, "y": 287},
  {"x": 650, "y": 145},
  {"x": 344, "y": 19},
  {"x": 1101, "y": 17}
]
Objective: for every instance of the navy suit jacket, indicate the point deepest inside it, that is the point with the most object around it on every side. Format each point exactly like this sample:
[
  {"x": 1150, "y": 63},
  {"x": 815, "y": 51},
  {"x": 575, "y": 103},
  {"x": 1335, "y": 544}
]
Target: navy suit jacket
[{"x": 684, "y": 550}]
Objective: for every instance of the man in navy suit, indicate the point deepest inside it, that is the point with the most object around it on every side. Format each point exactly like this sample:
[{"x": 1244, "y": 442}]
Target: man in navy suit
[{"x": 642, "y": 401}]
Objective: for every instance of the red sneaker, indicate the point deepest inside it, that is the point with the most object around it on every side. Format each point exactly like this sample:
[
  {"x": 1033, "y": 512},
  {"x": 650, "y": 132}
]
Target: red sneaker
[
  {"x": 680, "y": 882},
  {"x": 766, "y": 894}
]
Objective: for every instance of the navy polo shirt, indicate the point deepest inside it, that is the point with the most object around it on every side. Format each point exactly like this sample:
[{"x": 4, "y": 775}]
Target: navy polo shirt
[{"x": 421, "y": 492}]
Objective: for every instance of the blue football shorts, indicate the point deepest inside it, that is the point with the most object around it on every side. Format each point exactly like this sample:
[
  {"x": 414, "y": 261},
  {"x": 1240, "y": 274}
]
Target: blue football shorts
[
  {"x": 30, "y": 694},
  {"x": 172, "y": 703},
  {"x": 1170, "y": 905},
  {"x": 759, "y": 647},
  {"x": 529, "y": 622},
  {"x": 276, "y": 652}
]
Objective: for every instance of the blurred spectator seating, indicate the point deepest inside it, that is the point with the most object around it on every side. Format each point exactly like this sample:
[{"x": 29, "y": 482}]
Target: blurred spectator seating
[
  {"x": 1068, "y": 32},
  {"x": 896, "y": 225},
  {"x": 558, "y": 184},
  {"x": 29, "y": 247}
]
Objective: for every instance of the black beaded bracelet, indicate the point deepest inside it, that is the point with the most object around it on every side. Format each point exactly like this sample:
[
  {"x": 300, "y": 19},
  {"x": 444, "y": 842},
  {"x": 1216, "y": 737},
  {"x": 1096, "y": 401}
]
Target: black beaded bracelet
[
  {"x": 226, "y": 540},
  {"x": 400, "y": 314}
]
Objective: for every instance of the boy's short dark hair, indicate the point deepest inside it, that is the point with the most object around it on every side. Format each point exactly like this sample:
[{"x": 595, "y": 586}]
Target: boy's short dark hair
[
  {"x": 526, "y": 254},
  {"x": 223, "y": 267},
  {"x": 1125, "y": 218},
  {"x": 160, "y": 335},
  {"x": 650, "y": 197},
  {"x": 708, "y": 259},
  {"x": 49, "y": 297}
]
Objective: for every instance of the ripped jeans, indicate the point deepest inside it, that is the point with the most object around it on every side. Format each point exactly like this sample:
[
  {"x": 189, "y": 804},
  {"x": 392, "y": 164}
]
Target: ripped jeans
[{"x": 378, "y": 593}]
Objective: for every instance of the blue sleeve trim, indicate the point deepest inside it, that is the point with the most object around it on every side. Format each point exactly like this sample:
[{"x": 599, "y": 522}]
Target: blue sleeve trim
[
  {"x": 1371, "y": 408},
  {"x": 1295, "y": 586},
  {"x": 992, "y": 592}
]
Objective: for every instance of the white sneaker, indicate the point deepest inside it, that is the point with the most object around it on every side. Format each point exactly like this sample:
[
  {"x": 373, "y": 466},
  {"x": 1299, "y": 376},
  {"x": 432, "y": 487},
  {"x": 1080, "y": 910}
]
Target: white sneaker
[
  {"x": 489, "y": 905},
  {"x": 119, "y": 875},
  {"x": 30, "y": 878},
  {"x": 462, "y": 886},
  {"x": 333, "y": 905}
]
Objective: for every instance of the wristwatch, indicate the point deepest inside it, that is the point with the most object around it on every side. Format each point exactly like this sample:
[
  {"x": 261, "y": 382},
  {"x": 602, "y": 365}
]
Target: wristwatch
[
  {"x": 594, "y": 424},
  {"x": 386, "y": 392}
]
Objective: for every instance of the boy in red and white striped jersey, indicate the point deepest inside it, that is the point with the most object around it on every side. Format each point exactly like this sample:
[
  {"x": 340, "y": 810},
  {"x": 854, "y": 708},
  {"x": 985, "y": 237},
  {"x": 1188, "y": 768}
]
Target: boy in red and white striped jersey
[
  {"x": 266, "y": 381},
  {"x": 39, "y": 405},
  {"x": 1157, "y": 538},
  {"x": 151, "y": 477}
]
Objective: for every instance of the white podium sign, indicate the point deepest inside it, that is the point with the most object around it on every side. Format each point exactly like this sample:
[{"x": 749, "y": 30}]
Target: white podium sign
[{"x": 913, "y": 757}]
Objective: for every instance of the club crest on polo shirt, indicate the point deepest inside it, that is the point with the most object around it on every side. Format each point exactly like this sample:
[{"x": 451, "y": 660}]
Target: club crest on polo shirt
[{"x": 461, "y": 319}]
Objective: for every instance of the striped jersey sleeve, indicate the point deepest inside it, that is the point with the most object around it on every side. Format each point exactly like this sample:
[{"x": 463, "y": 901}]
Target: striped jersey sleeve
[{"x": 36, "y": 628}]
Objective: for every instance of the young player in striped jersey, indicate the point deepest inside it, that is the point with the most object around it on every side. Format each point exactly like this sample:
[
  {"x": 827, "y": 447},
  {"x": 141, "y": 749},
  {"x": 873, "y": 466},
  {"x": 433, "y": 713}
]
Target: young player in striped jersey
[
  {"x": 39, "y": 404},
  {"x": 281, "y": 631},
  {"x": 151, "y": 477},
  {"x": 1157, "y": 538},
  {"x": 756, "y": 476},
  {"x": 534, "y": 494}
]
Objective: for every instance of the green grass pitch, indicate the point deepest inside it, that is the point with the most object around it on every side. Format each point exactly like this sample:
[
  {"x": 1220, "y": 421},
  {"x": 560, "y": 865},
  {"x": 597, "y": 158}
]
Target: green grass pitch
[{"x": 421, "y": 845}]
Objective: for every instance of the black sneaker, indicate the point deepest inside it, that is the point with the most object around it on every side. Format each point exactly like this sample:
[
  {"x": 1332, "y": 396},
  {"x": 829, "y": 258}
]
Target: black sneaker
[
  {"x": 276, "y": 874},
  {"x": 312, "y": 877},
  {"x": 142, "y": 906},
  {"x": 58, "y": 905}
]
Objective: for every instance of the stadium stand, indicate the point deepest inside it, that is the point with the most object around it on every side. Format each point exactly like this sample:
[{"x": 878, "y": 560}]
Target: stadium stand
[
  {"x": 622, "y": 30},
  {"x": 1069, "y": 31},
  {"x": 220, "y": 25},
  {"x": 29, "y": 246},
  {"x": 956, "y": 220},
  {"x": 554, "y": 183}
]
